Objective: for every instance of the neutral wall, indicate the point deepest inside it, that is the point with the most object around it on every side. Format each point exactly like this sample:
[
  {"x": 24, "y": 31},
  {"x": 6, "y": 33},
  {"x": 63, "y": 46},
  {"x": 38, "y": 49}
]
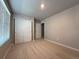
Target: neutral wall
[
  {"x": 64, "y": 27},
  {"x": 23, "y": 29},
  {"x": 38, "y": 30}
]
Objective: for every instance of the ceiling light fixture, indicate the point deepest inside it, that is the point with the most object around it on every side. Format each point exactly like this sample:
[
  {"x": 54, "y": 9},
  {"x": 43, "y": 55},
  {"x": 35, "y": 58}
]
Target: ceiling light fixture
[{"x": 42, "y": 6}]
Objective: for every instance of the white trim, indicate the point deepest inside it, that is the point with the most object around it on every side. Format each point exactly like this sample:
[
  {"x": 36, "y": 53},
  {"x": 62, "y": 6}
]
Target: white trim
[
  {"x": 7, "y": 51},
  {"x": 2, "y": 1},
  {"x": 66, "y": 46}
]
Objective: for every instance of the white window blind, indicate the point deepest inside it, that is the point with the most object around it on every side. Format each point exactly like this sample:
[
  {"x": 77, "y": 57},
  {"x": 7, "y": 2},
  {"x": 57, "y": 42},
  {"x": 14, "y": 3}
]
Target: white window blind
[{"x": 4, "y": 25}]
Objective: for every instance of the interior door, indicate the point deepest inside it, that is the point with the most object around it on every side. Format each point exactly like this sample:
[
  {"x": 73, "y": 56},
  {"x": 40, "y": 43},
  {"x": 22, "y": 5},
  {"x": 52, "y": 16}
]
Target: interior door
[{"x": 38, "y": 30}]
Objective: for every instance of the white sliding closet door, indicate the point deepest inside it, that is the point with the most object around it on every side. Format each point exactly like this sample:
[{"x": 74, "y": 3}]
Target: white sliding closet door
[{"x": 23, "y": 30}]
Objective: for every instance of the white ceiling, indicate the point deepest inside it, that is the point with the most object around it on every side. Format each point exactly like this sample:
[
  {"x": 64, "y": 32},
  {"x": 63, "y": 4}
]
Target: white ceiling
[{"x": 32, "y": 7}]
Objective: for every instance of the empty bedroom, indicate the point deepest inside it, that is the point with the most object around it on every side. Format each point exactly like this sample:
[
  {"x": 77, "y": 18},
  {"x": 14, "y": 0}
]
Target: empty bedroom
[{"x": 39, "y": 29}]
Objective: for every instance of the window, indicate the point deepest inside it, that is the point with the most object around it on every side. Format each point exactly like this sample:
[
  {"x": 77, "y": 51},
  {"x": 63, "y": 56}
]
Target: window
[{"x": 4, "y": 23}]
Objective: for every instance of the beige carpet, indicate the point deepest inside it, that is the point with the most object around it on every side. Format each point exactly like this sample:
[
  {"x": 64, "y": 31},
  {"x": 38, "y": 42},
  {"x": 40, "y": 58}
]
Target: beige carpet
[{"x": 41, "y": 49}]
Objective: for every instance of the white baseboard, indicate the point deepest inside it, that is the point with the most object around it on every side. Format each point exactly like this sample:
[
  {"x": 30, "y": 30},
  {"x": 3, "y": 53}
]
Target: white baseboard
[
  {"x": 66, "y": 46},
  {"x": 7, "y": 51}
]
